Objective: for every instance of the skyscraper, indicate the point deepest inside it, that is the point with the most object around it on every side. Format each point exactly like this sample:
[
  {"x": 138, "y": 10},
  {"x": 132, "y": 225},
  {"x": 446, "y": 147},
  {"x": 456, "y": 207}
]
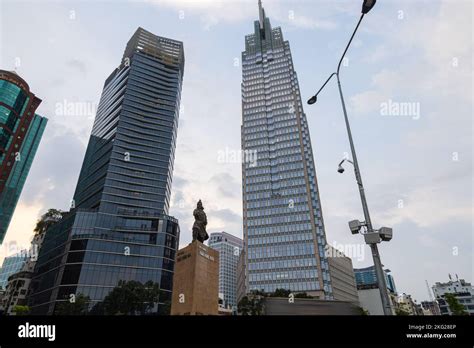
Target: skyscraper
[
  {"x": 284, "y": 232},
  {"x": 20, "y": 134},
  {"x": 118, "y": 228},
  {"x": 229, "y": 248},
  {"x": 11, "y": 265}
]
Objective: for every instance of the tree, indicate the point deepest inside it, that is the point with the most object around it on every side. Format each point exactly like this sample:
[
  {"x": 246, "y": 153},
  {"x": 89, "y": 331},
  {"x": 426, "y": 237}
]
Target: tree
[
  {"x": 165, "y": 308},
  {"x": 80, "y": 306},
  {"x": 454, "y": 305},
  {"x": 281, "y": 293},
  {"x": 400, "y": 311},
  {"x": 131, "y": 298},
  {"x": 21, "y": 310},
  {"x": 362, "y": 311},
  {"x": 251, "y": 305},
  {"x": 48, "y": 219}
]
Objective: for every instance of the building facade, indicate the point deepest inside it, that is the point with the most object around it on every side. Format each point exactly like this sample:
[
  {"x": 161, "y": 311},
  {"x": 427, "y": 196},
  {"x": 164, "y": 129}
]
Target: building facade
[
  {"x": 342, "y": 276},
  {"x": 229, "y": 248},
  {"x": 368, "y": 290},
  {"x": 241, "y": 277},
  {"x": 118, "y": 228},
  {"x": 21, "y": 130},
  {"x": 11, "y": 265},
  {"x": 462, "y": 290},
  {"x": 18, "y": 284},
  {"x": 366, "y": 277},
  {"x": 430, "y": 308},
  {"x": 282, "y": 219},
  {"x": 407, "y": 304}
]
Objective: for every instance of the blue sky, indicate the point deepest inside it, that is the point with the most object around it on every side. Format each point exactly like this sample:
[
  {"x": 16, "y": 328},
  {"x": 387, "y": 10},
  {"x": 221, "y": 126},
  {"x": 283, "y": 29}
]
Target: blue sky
[{"x": 417, "y": 168}]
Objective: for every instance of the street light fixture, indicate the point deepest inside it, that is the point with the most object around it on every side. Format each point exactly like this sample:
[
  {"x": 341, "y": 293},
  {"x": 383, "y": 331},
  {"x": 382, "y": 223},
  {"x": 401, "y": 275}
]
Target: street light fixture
[
  {"x": 372, "y": 237},
  {"x": 312, "y": 100},
  {"x": 340, "y": 168},
  {"x": 367, "y": 5}
]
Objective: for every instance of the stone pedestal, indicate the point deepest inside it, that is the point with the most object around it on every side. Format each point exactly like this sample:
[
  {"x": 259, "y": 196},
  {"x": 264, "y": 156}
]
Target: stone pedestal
[{"x": 196, "y": 281}]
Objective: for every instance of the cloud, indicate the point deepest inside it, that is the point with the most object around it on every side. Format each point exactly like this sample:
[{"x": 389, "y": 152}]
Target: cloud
[
  {"x": 78, "y": 65},
  {"x": 55, "y": 171},
  {"x": 215, "y": 12},
  {"x": 226, "y": 215},
  {"x": 210, "y": 12},
  {"x": 24, "y": 220},
  {"x": 226, "y": 185}
]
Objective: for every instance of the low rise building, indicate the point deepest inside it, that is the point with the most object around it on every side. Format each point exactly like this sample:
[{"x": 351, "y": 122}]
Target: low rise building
[
  {"x": 369, "y": 293},
  {"x": 462, "y": 290},
  {"x": 430, "y": 308},
  {"x": 11, "y": 265},
  {"x": 342, "y": 276},
  {"x": 229, "y": 248},
  {"x": 18, "y": 284}
]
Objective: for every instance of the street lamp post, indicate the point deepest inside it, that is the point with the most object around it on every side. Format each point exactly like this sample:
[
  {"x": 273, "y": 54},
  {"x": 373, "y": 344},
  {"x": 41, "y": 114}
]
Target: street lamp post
[{"x": 372, "y": 237}]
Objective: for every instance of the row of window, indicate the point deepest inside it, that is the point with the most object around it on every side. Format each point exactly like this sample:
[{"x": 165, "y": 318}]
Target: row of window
[
  {"x": 299, "y": 236},
  {"x": 284, "y": 250},
  {"x": 289, "y": 192},
  {"x": 286, "y": 263},
  {"x": 270, "y": 230},
  {"x": 305, "y": 274}
]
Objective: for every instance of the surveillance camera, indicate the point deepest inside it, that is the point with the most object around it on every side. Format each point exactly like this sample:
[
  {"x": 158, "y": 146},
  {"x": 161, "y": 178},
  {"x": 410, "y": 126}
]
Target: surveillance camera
[
  {"x": 355, "y": 226},
  {"x": 386, "y": 233},
  {"x": 340, "y": 169}
]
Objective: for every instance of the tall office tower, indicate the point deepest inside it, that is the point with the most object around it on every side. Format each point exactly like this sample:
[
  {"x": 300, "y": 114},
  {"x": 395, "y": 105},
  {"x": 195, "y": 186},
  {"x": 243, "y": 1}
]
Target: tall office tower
[
  {"x": 283, "y": 227},
  {"x": 118, "y": 228},
  {"x": 229, "y": 248},
  {"x": 11, "y": 265},
  {"x": 20, "y": 134}
]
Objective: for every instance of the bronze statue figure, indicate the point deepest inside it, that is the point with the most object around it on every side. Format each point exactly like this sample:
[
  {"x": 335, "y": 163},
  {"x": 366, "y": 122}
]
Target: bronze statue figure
[{"x": 200, "y": 222}]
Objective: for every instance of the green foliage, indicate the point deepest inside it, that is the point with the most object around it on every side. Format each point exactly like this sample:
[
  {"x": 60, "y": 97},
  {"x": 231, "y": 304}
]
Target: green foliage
[
  {"x": 362, "y": 311},
  {"x": 21, "y": 310},
  {"x": 400, "y": 311},
  {"x": 79, "y": 307},
  {"x": 454, "y": 305},
  {"x": 131, "y": 298},
  {"x": 286, "y": 293},
  {"x": 258, "y": 293},
  {"x": 280, "y": 293},
  {"x": 250, "y": 305},
  {"x": 48, "y": 219},
  {"x": 165, "y": 308}
]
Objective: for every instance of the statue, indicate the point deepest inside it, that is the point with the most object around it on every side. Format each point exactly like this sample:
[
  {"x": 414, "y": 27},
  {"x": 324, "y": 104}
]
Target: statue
[{"x": 200, "y": 222}]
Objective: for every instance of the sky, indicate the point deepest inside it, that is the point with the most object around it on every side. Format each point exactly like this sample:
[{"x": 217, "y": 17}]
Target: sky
[{"x": 407, "y": 81}]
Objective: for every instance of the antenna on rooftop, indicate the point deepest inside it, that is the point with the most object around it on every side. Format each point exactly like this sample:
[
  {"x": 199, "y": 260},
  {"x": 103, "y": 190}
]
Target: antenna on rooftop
[{"x": 429, "y": 291}]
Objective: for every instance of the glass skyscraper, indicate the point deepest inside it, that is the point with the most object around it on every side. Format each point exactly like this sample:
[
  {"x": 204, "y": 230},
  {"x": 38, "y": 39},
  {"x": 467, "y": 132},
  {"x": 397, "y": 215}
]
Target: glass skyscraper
[
  {"x": 229, "y": 248},
  {"x": 20, "y": 134},
  {"x": 11, "y": 265},
  {"x": 118, "y": 227},
  {"x": 366, "y": 278},
  {"x": 284, "y": 232}
]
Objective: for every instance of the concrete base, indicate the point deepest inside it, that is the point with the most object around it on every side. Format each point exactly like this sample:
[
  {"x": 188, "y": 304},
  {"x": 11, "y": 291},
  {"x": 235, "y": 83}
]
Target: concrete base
[{"x": 196, "y": 281}]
